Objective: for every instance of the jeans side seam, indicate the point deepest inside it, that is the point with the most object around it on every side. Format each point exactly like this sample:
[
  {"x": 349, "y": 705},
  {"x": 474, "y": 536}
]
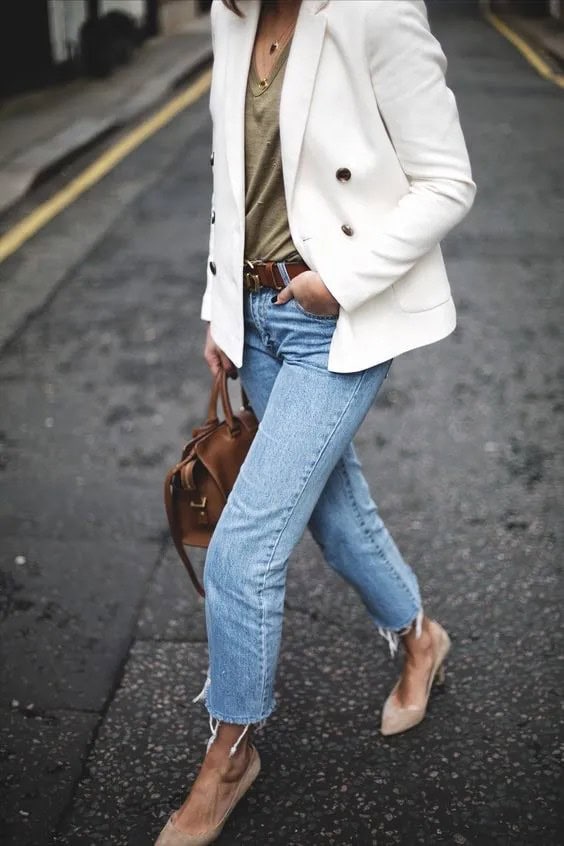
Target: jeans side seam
[
  {"x": 378, "y": 549},
  {"x": 291, "y": 509}
]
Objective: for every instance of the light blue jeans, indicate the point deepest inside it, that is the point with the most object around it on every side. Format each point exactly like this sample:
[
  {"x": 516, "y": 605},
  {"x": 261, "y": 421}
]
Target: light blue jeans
[{"x": 301, "y": 470}]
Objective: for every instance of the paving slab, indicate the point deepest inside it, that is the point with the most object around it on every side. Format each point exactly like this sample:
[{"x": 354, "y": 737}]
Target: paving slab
[
  {"x": 76, "y": 509},
  {"x": 41, "y": 757},
  {"x": 68, "y": 615},
  {"x": 328, "y": 776},
  {"x": 131, "y": 763},
  {"x": 173, "y": 611}
]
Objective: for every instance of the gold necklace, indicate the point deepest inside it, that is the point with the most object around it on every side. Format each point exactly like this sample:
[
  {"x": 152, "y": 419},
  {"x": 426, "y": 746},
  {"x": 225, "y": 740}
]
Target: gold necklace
[{"x": 275, "y": 45}]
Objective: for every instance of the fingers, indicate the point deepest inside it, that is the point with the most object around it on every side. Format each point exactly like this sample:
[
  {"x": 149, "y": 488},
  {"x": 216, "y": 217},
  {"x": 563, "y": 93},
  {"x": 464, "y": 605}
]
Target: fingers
[
  {"x": 284, "y": 295},
  {"x": 213, "y": 363},
  {"x": 228, "y": 365},
  {"x": 216, "y": 359}
]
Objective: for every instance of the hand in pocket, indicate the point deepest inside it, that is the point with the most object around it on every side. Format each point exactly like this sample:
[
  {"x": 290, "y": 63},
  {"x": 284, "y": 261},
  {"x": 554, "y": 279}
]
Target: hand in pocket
[{"x": 311, "y": 293}]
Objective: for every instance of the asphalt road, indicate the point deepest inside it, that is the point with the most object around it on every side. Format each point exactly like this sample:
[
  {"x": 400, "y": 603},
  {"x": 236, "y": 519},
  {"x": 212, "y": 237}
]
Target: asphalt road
[{"x": 102, "y": 642}]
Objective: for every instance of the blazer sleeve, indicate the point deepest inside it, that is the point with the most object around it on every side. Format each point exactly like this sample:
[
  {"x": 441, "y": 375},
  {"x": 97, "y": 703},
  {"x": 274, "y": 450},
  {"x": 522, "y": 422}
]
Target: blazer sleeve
[{"x": 407, "y": 68}]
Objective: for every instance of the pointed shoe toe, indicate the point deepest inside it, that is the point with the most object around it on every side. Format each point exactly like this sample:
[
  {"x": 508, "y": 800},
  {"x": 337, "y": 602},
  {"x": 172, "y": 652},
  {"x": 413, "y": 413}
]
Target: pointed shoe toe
[
  {"x": 396, "y": 719},
  {"x": 173, "y": 836}
]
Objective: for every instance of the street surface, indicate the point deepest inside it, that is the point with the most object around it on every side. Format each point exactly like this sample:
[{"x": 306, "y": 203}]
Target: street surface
[{"x": 102, "y": 639}]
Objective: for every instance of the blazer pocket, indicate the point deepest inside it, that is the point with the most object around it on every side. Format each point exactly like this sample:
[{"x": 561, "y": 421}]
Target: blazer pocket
[
  {"x": 424, "y": 287},
  {"x": 414, "y": 302}
]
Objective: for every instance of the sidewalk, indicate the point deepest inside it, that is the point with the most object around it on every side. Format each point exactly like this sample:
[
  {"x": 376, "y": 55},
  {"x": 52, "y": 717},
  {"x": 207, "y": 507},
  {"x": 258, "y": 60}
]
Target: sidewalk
[{"x": 42, "y": 129}]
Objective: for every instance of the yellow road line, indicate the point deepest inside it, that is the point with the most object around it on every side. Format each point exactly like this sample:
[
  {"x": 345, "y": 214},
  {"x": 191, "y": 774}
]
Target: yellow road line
[
  {"x": 530, "y": 54},
  {"x": 39, "y": 217}
]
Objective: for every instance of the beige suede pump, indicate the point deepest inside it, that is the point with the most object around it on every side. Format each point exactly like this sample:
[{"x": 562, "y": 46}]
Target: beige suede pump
[
  {"x": 173, "y": 836},
  {"x": 396, "y": 719}
]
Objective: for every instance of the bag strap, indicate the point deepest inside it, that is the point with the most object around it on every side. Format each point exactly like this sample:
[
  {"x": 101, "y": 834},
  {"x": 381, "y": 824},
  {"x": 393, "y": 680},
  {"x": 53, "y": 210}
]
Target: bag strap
[{"x": 175, "y": 531}]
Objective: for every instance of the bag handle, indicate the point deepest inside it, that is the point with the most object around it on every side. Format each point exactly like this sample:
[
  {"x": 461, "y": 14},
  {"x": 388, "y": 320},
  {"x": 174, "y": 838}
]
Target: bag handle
[
  {"x": 212, "y": 404},
  {"x": 212, "y": 419},
  {"x": 220, "y": 384},
  {"x": 219, "y": 388},
  {"x": 245, "y": 399},
  {"x": 234, "y": 428}
]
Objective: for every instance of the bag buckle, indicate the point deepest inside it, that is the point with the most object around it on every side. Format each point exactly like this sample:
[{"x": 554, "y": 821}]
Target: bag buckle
[
  {"x": 201, "y": 507},
  {"x": 201, "y": 504},
  {"x": 251, "y": 279}
]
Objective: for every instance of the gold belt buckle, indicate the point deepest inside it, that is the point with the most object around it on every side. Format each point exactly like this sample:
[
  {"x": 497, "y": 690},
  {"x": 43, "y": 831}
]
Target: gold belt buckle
[{"x": 252, "y": 281}]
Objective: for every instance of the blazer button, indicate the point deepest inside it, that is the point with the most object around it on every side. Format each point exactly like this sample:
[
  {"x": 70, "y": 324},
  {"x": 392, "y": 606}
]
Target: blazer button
[
  {"x": 343, "y": 174},
  {"x": 213, "y": 216},
  {"x": 213, "y": 267},
  {"x": 212, "y": 159},
  {"x": 348, "y": 230}
]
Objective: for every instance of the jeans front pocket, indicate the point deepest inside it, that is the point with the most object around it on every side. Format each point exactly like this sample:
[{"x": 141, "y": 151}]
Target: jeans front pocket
[{"x": 312, "y": 314}]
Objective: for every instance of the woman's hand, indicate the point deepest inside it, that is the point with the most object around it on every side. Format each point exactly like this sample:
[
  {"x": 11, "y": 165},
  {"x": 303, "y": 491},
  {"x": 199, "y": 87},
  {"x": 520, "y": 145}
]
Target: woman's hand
[
  {"x": 312, "y": 294},
  {"x": 216, "y": 358}
]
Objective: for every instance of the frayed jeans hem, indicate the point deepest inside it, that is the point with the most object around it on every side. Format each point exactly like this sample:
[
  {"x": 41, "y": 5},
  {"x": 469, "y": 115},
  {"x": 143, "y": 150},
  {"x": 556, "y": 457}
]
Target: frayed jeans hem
[
  {"x": 392, "y": 636},
  {"x": 203, "y": 696},
  {"x": 241, "y": 721}
]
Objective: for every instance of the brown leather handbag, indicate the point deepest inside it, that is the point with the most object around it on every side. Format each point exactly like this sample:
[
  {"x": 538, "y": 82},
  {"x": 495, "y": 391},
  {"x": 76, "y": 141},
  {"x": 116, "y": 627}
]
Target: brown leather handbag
[{"x": 196, "y": 489}]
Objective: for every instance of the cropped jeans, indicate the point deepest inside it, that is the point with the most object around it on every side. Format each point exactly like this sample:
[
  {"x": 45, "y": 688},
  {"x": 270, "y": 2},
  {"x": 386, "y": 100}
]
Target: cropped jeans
[{"x": 301, "y": 471}]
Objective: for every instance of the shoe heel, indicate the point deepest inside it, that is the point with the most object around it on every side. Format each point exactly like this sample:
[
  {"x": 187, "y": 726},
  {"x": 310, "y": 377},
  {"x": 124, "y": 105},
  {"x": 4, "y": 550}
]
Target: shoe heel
[{"x": 440, "y": 676}]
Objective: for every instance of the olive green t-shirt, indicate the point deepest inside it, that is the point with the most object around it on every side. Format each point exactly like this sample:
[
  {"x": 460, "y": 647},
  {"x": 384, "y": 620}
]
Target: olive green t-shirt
[{"x": 267, "y": 232}]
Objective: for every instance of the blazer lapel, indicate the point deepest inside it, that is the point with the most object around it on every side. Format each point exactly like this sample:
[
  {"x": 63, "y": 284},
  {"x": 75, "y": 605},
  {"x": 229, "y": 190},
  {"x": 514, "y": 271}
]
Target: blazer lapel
[
  {"x": 241, "y": 38},
  {"x": 297, "y": 89}
]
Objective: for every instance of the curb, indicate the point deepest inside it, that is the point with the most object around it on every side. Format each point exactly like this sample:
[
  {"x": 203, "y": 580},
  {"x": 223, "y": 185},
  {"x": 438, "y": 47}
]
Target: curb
[
  {"x": 529, "y": 48},
  {"x": 23, "y": 172}
]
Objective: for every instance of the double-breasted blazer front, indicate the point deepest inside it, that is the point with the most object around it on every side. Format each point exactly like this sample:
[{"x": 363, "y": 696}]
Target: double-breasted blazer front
[{"x": 376, "y": 172}]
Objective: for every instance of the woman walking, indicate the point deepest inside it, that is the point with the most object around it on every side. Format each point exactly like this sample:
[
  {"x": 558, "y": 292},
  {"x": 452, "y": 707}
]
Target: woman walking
[{"x": 339, "y": 164}]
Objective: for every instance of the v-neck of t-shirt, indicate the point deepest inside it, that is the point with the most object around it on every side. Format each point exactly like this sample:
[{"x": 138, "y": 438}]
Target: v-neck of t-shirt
[{"x": 256, "y": 87}]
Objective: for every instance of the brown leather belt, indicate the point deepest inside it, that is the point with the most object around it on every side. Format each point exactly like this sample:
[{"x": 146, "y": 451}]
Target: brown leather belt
[{"x": 267, "y": 274}]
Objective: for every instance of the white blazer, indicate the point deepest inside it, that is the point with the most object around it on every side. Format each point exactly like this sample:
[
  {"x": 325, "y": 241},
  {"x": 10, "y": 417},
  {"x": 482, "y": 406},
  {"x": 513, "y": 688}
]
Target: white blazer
[{"x": 364, "y": 90}]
